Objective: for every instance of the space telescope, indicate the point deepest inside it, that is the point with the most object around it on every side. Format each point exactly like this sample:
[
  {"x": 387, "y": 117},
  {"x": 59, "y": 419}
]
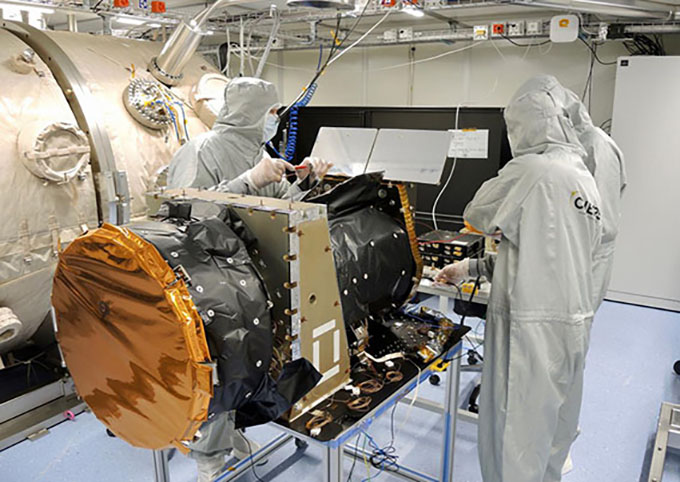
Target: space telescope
[{"x": 172, "y": 306}]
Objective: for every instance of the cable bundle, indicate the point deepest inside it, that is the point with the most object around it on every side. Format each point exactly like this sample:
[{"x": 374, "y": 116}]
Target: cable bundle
[
  {"x": 291, "y": 145},
  {"x": 645, "y": 45}
]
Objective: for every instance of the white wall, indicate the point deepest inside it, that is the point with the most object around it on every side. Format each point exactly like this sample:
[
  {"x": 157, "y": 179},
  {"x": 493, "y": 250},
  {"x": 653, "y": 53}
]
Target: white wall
[{"x": 485, "y": 75}]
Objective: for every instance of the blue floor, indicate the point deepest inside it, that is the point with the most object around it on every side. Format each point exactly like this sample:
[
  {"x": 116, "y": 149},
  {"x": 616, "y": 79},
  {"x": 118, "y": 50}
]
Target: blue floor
[{"x": 629, "y": 373}]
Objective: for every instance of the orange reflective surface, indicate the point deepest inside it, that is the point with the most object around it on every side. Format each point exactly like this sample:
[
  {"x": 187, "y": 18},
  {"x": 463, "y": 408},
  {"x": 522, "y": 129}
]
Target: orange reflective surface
[{"x": 132, "y": 338}]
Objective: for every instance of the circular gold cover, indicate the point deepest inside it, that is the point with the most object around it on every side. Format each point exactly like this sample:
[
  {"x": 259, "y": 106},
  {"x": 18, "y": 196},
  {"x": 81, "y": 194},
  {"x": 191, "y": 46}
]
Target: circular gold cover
[{"x": 132, "y": 338}]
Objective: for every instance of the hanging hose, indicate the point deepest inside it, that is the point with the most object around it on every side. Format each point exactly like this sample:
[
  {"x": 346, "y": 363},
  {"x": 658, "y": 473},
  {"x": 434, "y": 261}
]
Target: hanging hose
[
  {"x": 291, "y": 145},
  {"x": 270, "y": 44}
]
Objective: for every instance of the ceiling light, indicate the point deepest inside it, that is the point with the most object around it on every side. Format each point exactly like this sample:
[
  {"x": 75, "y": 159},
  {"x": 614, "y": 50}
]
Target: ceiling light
[
  {"x": 338, "y": 4},
  {"x": 28, "y": 8},
  {"x": 129, "y": 20},
  {"x": 413, "y": 11}
]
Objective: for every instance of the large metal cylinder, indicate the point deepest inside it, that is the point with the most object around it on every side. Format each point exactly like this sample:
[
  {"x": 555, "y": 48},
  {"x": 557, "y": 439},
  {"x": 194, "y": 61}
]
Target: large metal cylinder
[
  {"x": 48, "y": 190},
  {"x": 168, "y": 67}
]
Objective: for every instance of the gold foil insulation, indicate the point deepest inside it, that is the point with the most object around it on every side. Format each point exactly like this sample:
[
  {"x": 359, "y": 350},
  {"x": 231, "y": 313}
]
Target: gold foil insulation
[
  {"x": 132, "y": 338},
  {"x": 412, "y": 237}
]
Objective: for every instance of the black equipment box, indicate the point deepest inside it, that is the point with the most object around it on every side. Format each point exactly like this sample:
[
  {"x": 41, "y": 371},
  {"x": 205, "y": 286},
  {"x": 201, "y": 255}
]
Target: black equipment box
[{"x": 439, "y": 248}]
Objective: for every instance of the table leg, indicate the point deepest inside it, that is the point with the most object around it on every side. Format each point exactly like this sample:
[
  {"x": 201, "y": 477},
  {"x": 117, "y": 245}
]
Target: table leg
[
  {"x": 160, "y": 466},
  {"x": 443, "y": 304},
  {"x": 332, "y": 461},
  {"x": 450, "y": 412}
]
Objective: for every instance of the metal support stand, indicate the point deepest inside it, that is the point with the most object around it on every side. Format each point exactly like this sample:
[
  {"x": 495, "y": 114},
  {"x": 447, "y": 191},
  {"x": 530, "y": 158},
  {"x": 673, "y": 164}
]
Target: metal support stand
[
  {"x": 450, "y": 412},
  {"x": 667, "y": 436},
  {"x": 443, "y": 304},
  {"x": 160, "y": 466},
  {"x": 333, "y": 451},
  {"x": 332, "y": 461},
  {"x": 397, "y": 470}
]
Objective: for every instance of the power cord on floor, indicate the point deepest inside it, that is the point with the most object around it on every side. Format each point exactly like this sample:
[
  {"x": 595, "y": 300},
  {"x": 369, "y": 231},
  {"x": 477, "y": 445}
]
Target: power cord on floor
[{"x": 250, "y": 454}]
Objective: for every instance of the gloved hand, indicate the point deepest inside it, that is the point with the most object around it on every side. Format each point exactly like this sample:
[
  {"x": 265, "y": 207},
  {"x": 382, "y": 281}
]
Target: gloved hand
[
  {"x": 454, "y": 273},
  {"x": 268, "y": 171},
  {"x": 317, "y": 167}
]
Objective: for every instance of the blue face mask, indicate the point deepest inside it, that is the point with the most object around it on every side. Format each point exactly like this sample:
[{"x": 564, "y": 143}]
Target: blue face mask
[{"x": 271, "y": 126}]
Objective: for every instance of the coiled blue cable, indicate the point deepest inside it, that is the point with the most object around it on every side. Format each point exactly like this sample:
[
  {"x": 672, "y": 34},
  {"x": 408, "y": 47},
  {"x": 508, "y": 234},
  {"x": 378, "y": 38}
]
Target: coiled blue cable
[{"x": 291, "y": 145}]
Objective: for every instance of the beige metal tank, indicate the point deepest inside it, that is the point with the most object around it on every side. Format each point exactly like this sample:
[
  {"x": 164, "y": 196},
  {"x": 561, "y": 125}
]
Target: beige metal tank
[
  {"x": 107, "y": 63},
  {"x": 58, "y": 107},
  {"x": 39, "y": 140}
]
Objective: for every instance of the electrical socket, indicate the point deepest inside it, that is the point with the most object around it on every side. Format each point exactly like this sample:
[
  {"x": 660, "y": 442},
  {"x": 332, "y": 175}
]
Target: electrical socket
[
  {"x": 405, "y": 33},
  {"x": 516, "y": 29},
  {"x": 498, "y": 29},
  {"x": 390, "y": 35},
  {"x": 602, "y": 32},
  {"x": 534, "y": 27},
  {"x": 480, "y": 32}
]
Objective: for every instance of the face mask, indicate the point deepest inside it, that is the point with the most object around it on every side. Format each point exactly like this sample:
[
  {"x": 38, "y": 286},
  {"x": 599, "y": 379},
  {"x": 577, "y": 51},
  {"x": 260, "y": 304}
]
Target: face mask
[{"x": 271, "y": 126}]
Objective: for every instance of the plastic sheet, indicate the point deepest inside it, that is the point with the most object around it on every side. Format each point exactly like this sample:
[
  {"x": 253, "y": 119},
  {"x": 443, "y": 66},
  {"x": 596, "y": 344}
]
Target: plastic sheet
[
  {"x": 232, "y": 300},
  {"x": 373, "y": 257}
]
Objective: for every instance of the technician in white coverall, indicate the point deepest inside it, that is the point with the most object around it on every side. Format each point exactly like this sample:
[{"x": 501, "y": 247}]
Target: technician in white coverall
[
  {"x": 545, "y": 204},
  {"x": 231, "y": 154},
  {"x": 231, "y": 157},
  {"x": 604, "y": 160}
]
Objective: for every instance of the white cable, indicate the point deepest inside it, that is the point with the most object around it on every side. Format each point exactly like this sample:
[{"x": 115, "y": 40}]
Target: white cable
[
  {"x": 413, "y": 400},
  {"x": 446, "y": 185},
  {"x": 386, "y": 358},
  {"x": 270, "y": 43},
  {"x": 428, "y": 59},
  {"x": 248, "y": 51},
  {"x": 241, "y": 41},
  {"x": 389, "y": 67},
  {"x": 356, "y": 42},
  {"x": 493, "y": 42},
  {"x": 226, "y": 69}
]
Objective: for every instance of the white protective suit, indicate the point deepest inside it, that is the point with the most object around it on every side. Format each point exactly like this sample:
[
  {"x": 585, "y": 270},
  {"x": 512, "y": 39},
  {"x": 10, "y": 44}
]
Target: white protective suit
[
  {"x": 221, "y": 157},
  {"x": 224, "y": 154},
  {"x": 546, "y": 205},
  {"x": 605, "y": 162}
]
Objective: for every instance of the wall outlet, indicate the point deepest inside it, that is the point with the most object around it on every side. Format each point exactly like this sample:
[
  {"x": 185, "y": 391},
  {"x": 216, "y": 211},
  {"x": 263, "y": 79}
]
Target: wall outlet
[
  {"x": 480, "y": 32},
  {"x": 602, "y": 32},
  {"x": 390, "y": 35},
  {"x": 534, "y": 27},
  {"x": 516, "y": 29},
  {"x": 497, "y": 29},
  {"x": 405, "y": 33}
]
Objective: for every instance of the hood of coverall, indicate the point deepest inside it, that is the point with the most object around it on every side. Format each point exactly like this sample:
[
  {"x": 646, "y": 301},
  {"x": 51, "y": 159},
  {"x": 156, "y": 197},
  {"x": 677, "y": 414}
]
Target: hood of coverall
[
  {"x": 246, "y": 101},
  {"x": 237, "y": 133},
  {"x": 536, "y": 121},
  {"x": 587, "y": 132},
  {"x": 234, "y": 144}
]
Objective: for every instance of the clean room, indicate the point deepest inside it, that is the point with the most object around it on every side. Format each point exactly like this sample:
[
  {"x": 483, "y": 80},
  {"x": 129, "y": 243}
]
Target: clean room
[{"x": 339, "y": 240}]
